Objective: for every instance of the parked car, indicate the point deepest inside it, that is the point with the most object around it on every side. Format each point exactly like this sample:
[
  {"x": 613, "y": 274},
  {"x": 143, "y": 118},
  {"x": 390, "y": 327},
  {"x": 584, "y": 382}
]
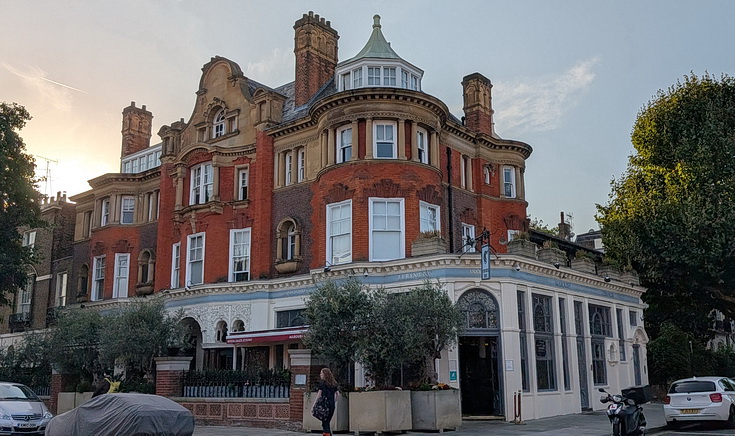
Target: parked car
[
  {"x": 124, "y": 414},
  {"x": 21, "y": 411},
  {"x": 700, "y": 399}
]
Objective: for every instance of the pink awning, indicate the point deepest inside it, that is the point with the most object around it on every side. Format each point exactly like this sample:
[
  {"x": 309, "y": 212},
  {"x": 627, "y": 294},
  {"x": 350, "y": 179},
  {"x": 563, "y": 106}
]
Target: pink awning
[{"x": 264, "y": 336}]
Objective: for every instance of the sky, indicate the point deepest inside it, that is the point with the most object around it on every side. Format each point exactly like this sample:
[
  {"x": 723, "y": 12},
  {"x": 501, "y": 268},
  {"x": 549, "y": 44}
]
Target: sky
[{"x": 569, "y": 77}]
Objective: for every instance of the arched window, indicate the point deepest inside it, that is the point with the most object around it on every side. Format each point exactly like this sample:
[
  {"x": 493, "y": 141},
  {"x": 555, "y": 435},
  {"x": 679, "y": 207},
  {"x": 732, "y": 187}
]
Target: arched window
[
  {"x": 289, "y": 241},
  {"x": 221, "y": 331},
  {"x": 479, "y": 310},
  {"x": 83, "y": 281},
  {"x": 218, "y": 124},
  {"x": 146, "y": 266},
  {"x": 238, "y": 326}
]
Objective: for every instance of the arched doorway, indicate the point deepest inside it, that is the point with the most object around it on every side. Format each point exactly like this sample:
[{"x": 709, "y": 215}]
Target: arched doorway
[
  {"x": 479, "y": 355},
  {"x": 193, "y": 342}
]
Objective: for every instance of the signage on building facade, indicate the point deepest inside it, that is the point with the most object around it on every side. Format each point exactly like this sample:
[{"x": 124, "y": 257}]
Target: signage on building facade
[{"x": 485, "y": 251}]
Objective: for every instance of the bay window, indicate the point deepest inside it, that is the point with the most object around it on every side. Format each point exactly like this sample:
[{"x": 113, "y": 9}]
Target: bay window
[
  {"x": 387, "y": 229},
  {"x": 195, "y": 259},
  {"x": 339, "y": 232},
  {"x": 509, "y": 182},
  {"x": 127, "y": 210},
  {"x": 344, "y": 144}
]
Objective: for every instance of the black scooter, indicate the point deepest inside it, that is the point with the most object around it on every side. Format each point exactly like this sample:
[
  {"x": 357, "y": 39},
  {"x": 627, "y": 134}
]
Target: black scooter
[{"x": 626, "y": 416}]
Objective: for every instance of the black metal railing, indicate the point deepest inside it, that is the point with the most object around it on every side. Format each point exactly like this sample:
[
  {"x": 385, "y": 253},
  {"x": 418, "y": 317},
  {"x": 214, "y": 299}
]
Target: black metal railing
[
  {"x": 238, "y": 384},
  {"x": 18, "y": 322},
  {"x": 41, "y": 391}
]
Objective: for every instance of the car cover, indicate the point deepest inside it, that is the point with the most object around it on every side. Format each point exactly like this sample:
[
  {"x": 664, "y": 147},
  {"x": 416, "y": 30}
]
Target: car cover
[{"x": 124, "y": 414}]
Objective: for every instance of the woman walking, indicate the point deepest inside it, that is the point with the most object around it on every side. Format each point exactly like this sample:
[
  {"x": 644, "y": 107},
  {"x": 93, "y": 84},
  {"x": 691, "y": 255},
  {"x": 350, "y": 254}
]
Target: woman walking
[{"x": 327, "y": 389}]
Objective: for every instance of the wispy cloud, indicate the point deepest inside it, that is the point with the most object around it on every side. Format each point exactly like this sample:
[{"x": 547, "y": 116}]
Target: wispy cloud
[
  {"x": 51, "y": 91},
  {"x": 540, "y": 104},
  {"x": 276, "y": 68}
]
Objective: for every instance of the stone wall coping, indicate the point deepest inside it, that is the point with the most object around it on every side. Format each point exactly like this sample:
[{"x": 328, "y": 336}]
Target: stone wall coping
[
  {"x": 228, "y": 400},
  {"x": 173, "y": 363}
]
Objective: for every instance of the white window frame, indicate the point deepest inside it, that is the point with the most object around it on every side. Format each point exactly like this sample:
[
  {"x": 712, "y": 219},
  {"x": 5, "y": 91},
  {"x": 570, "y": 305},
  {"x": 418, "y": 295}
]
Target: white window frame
[
  {"x": 288, "y": 171},
  {"x": 105, "y": 213},
  {"x": 98, "y": 278},
  {"x": 342, "y": 146},
  {"x": 127, "y": 209},
  {"x": 405, "y": 79},
  {"x": 62, "y": 280},
  {"x": 394, "y": 141},
  {"x": 345, "y": 80},
  {"x": 374, "y": 75},
  {"x": 300, "y": 165},
  {"x": 175, "y": 265},
  {"x": 357, "y": 78},
  {"x": 199, "y": 259},
  {"x": 218, "y": 124},
  {"x": 422, "y": 145},
  {"x": 513, "y": 234},
  {"x": 245, "y": 246},
  {"x": 202, "y": 184},
  {"x": 121, "y": 275},
  {"x": 389, "y": 76},
  {"x": 486, "y": 174},
  {"x": 343, "y": 230},
  {"x": 464, "y": 165},
  {"x": 468, "y": 231},
  {"x": 429, "y": 217},
  {"x": 375, "y": 252},
  {"x": 29, "y": 238},
  {"x": 243, "y": 175},
  {"x": 509, "y": 182}
]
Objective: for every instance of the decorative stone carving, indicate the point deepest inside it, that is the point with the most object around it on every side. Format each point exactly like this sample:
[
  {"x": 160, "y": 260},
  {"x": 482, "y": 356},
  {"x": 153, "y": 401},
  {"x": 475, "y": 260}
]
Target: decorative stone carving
[{"x": 208, "y": 316}]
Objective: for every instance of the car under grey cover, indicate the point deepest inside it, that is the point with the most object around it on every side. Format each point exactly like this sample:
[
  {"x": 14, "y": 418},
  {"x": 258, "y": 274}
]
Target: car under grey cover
[{"x": 124, "y": 414}]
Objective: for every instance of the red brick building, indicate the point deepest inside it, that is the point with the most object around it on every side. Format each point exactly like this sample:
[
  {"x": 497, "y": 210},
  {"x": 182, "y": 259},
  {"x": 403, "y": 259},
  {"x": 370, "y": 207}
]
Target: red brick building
[{"x": 350, "y": 169}]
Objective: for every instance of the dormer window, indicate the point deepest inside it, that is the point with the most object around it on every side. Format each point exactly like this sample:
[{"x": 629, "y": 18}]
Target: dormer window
[{"x": 218, "y": 126}]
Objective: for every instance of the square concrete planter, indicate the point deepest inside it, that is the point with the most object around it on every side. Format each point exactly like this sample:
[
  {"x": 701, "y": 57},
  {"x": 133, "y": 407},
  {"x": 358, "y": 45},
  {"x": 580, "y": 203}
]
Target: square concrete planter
[
  {"x": 522, "y": 247},
  {"x": 340, "y": 421},
  {"x": 552, "y": 255},
  {"x": 424, "y": 246},
  {"x": 435, "y": 410},
  {"x": 583, "y": 265},
  {"x": 380, "y": 411}
]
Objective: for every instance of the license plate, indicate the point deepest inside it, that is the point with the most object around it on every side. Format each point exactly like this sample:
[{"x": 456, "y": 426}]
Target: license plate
[
  {"x": 26, "y": 424},
  {"x": 689, "y": 411}
]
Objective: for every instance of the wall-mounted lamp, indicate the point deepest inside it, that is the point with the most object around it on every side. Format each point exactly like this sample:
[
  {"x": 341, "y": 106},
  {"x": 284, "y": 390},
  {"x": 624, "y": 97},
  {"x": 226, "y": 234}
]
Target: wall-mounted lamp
[
  {"x": 365, "y": 272},
  {"x": 517, "y": 266},
  {"x": 607, "y": 278},
  {"x": 556, "y": 265}
]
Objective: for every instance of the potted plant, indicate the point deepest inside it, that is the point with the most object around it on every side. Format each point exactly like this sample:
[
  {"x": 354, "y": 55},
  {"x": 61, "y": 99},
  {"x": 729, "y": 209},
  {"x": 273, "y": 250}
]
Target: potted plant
[
  {"x": 584, "y": 262},
  {"x": 428, "y": 242},
  {"x": 551, "y": 253},
  {"x": 608, "y": 269},
  {"x": 629, "y": 275},
  {"x": 521, "y": 245}
]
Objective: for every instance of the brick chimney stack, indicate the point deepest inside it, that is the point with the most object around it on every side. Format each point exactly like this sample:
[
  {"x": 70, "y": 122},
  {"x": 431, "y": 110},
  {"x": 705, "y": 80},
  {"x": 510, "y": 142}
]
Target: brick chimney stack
[
  {"x": 315, "y": 46},
  {"x": 478, "y": 105},
  {"x": 136, "y": 129}
]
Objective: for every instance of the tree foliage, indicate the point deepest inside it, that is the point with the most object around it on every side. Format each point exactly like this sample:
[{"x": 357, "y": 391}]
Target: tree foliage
[
  {"x": 384, "y": 331},
  {"x": 27, "y": 361},
  {"x": 19, "y": 205},
  {"x": 671, "y": 215},
  {"x": 85, "y": 342}
]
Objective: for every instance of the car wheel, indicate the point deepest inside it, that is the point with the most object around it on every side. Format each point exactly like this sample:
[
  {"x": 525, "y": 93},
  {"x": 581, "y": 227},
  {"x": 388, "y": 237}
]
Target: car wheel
[{"x": 616, "y": 428}]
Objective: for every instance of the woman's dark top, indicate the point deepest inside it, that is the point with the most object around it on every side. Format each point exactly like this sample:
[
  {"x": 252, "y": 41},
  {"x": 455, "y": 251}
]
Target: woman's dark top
[{"x": 327, "y": 392}]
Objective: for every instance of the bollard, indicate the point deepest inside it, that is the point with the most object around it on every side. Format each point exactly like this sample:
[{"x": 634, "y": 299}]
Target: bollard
[{"x": 517, "y": 407}]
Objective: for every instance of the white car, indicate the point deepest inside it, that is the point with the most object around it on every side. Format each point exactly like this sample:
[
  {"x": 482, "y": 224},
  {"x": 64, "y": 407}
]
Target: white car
[
  {"x": 21, "y": 411},
  {"x": 700, "y": 399}
]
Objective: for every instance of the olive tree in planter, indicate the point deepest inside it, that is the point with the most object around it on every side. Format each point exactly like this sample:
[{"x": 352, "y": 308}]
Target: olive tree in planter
[
  {"x": 521, "y": 245},
  {"x": 583, "y": 262},
  {"x": 551, "y": 253}
]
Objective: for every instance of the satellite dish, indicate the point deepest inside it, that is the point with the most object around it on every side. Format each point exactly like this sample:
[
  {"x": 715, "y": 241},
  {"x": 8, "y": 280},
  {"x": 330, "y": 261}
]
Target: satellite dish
[{"x": 503, "y": 241}]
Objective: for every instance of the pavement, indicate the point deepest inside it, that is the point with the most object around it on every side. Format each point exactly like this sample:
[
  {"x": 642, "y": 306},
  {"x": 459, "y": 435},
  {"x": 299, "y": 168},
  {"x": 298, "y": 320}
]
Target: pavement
[{"x": 579, "y": 424}]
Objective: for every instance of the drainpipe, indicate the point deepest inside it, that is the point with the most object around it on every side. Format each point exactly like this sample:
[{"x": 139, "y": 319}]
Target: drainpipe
[{"x": 449, "y": 200}]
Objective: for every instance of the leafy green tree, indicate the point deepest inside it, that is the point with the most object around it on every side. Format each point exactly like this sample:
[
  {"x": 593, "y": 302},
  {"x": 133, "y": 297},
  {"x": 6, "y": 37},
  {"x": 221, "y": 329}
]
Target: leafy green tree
[
  {"x": 74, "y": 343},
  {"x": 676, "y": 354},
  {"x": 27, "y": 361},
  {"x": 137, "y": 334},
  {"x": 19, "y": 205},
  {"x": 336, "y": 313},
  {"x": 671, "y": 215}
]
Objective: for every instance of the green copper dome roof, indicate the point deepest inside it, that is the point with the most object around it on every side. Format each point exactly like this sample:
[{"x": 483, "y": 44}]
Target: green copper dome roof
[{"x": 377, "y": 47}]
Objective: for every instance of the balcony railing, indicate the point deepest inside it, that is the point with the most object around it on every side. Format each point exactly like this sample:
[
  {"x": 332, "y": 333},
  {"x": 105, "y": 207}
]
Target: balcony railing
[
  {"x": 18, "y": 322},
  {"x": 237, "y": 384}
]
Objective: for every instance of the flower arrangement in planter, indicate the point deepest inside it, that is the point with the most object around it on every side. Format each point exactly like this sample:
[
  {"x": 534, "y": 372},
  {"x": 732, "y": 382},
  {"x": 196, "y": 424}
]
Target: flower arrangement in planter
[
  {"x": 428, "y": 242},
  {"x": 583, "y": 262},
  {"x": 522, "y": 246},
  {"x": 551, "y": 253}
]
